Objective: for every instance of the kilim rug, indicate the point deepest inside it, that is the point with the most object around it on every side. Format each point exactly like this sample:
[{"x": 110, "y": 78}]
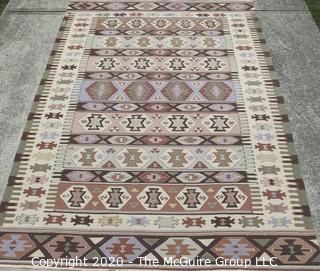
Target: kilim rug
[{"x": 158, "y": 137}]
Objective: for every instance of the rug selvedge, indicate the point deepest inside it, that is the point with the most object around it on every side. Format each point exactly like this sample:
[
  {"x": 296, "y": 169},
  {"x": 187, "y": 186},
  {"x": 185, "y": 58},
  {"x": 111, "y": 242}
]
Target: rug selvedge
[{"x": 166, "y": 121}]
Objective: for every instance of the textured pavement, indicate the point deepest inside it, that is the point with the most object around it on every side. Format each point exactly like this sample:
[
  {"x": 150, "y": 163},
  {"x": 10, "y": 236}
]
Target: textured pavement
[{"x": 28, "y": 29}]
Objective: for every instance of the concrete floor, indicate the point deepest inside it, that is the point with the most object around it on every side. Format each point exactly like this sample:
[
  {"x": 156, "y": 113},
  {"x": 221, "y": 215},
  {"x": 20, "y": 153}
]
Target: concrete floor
[{"x": 29, "y": 27}]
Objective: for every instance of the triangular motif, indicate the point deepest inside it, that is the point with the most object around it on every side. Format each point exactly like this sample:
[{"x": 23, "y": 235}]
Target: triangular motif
[
  {"x": 93, "y": 254},
  {"x": 154, "y": 165},
  {"x": 200, "y": 165},
  {"x": 150, "y": 241},
  {"x": 37, "y": 253},
  {"x": 109, "y": 164},
  {"x": 41, "y": 238}
]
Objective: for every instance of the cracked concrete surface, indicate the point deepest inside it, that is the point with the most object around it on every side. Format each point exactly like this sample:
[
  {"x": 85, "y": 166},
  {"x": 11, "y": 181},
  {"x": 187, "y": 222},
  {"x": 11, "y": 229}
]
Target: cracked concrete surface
[{"x": 27, "y": 37}]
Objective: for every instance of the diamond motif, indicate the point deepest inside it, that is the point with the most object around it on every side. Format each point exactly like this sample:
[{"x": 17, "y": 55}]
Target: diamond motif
[
  {"x": 101, "y": 90},
  {"x": 133, "y": 158},
  {"x": 94, "y": 122},
  {"x": 146, "y": 6},
  {"x": 177, "y": 248},
  {"x": 176, "y": 91},
  {"x": 292, "y": 250},
  {"x": 142, "y": 63},
  {"x": 235, "y": 248},
  {"x": 15, "y": 246},
  {"x": 225, "y": 140},
  {"x": 210, "y": 24},
  {"x": 117, "y": 177},
  {"x": 190, "y": 140},
  {"x": 94, "y": 106},
  {"x": 67, "y": 246},
  {"x": 185, "y": 24},
  {"x": 219, "y": 123},
  {"x": 136, "y": 123},
  {"x": 127, "y": 248},
  {"x": 224, "y": 158},
  {"x": 231, "y": 197},
  {"x": 238, "y": 6},
  {"x": 76, "y": 197},
  {"x": 178, "y": 123},
  {"x": 115, "y": 197},
  {"x": 189, "y": 107},
  {"x": 207, "y": 6},
  {"x": 177, "y": 64},
  {"x": 154, "y": 177},
  {"x": 153, "y": 197},
  {"x": 80, "y": 176},
  {"x": 87, "y": 157},
  {"x": 136, "y": 23},
  {"x": 191, "y": 177},
  {"x": 121, "y": 140},
  {"x": 216, "y": 91},
  {"x": 177, "y": 158},
  {"x": 139, "y": 91},
  {"x": 156, "y": 140},
  {"x": 112, "y": 23},
  {"x": 231, "y": 177},
  {"x": 116, "y": 6},
  {"x": 177, "y": 6},
  {"x": 212, "y": 64},
  {"x": 192, "y": 198},
  {"x": 107, "y": 63},
  {"x": 161, "y": 23}
]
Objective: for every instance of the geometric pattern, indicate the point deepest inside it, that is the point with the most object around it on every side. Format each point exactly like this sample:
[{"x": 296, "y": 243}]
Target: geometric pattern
[
  {"x": 165, "y": 198},
  {"x": 162, "y": 123},
  {"x": 158, "y": 107},
  {"x": 155, "y": 158},
  {"x": 154, "y": 176},
  {"x": 198, "y": 6},
  {"x": 155, "y": 139},
  {"x": 129, "y": 248},
  {"x": 157, "y": 91},
  {"x": 205, "y": 41},
  {"x": 153, "y": 64},
  {"x": 158, "y": 132}
]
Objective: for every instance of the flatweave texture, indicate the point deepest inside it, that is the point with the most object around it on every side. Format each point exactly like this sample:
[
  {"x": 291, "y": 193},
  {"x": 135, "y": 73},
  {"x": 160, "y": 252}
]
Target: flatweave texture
[{"x": 158, "y": 131}]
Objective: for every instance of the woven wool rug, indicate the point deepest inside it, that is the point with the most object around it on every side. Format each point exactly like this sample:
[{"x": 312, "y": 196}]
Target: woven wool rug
[{"x": 158, "y": 134}]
